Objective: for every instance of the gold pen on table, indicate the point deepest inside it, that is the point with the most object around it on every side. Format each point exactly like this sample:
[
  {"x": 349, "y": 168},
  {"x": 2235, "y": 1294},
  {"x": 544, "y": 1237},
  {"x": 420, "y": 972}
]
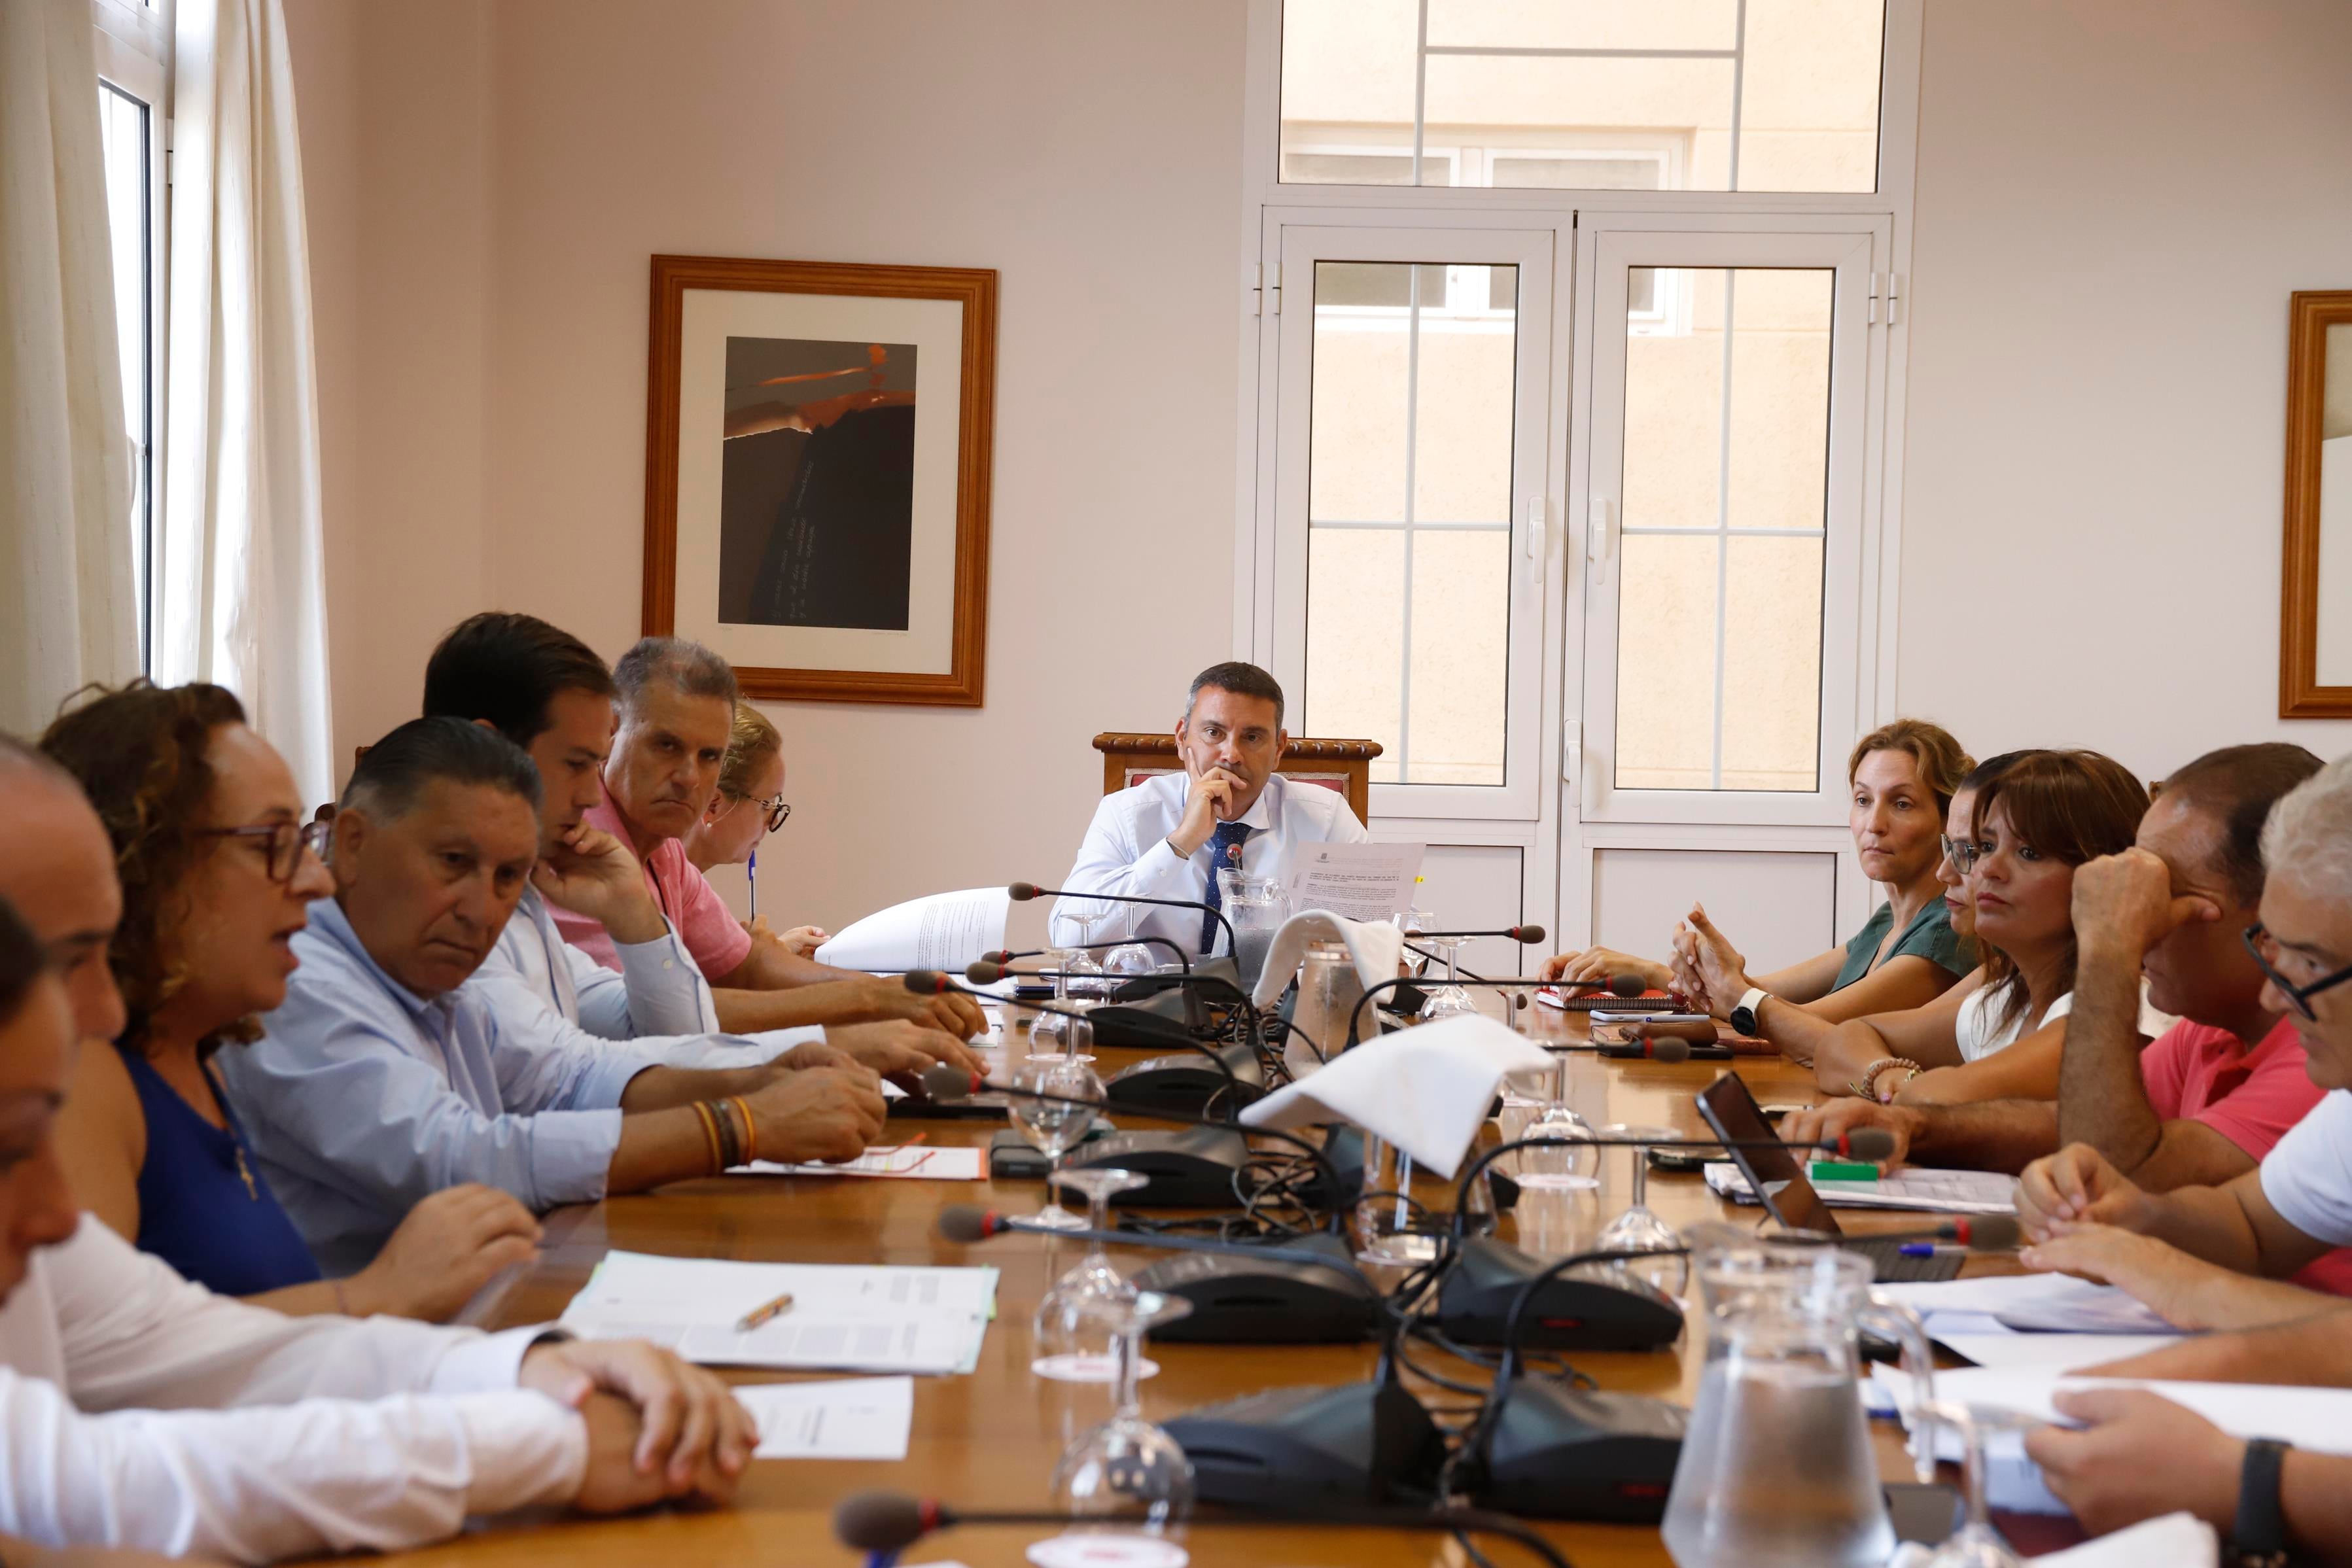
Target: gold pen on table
[{"x": 767, "y": 1311}]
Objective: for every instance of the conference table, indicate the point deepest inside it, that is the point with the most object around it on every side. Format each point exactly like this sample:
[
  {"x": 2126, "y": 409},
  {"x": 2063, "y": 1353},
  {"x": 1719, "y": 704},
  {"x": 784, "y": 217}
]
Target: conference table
[{"x": 989, "y": 1440}]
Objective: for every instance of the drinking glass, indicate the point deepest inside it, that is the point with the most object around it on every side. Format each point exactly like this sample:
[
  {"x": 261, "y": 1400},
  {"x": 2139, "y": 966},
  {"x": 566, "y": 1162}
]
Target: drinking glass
[
  {"x": 1052, "y": 1127},
  {"x": 1126, "y": 1483},
  {"x": 1564, "y": 1167},
  {"x": 1639, "y": 1230},
  {"x": 1976, "y": 1544},
  {"x": 1081, "y": 972},
  {"x": 1074, "y": 1342},
  {"x": 1131, "y": 962}
]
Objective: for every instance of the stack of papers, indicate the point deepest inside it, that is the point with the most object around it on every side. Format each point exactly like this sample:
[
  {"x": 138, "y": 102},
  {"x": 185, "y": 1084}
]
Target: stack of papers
[
  {"x": 2030, "y": 1303},
  {"x": 1933, "y": 1191},
  {"x": 843, "y": 1318}
]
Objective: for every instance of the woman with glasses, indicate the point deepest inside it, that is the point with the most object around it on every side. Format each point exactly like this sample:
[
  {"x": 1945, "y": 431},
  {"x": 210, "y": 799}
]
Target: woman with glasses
[
  {"x": 749, "y": 805},
  {"x": 218, "y": 869},
  {"x": 1901, "y": 778}
]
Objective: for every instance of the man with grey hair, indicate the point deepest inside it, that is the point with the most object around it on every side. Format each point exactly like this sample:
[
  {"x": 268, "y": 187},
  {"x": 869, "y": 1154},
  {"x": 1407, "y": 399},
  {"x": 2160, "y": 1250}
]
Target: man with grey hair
[
  {"x": 676, "y": 712},
  {"x": 1168, "y": 837},
  {"x": 2193, "y": 1253}
]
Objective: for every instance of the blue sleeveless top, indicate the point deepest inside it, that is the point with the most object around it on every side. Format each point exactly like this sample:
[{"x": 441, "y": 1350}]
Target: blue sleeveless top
[{"x": 203, "y": 1208}]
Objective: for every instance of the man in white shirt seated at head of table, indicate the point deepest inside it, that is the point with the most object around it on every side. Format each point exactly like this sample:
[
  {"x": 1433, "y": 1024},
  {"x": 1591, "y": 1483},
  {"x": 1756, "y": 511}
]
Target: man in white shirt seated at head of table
[
  {"x": 140, "y": 1411},
  {"x": 1168, "y": 836},
  {"x": 2141, "y": 1455}
]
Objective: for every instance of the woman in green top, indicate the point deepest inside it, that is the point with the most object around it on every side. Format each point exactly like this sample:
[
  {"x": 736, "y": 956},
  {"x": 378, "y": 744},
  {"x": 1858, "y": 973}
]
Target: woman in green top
[{"x": 1907, "y": 954}]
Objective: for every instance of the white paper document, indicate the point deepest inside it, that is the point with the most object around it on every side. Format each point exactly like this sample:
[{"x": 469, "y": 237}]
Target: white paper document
[
  {"x": 843, "y": 1318},
  {"x": 1911, "y": 1187},
  {"x": 837, "y": 1418},
  {"x": 909, "y": 1162},
  {"x": 2037, "y": 1304},
  {"x": 945, "y": 931},
  {"x": 1363, "y": 882},
  {"x": 2315, "y": 1419}
]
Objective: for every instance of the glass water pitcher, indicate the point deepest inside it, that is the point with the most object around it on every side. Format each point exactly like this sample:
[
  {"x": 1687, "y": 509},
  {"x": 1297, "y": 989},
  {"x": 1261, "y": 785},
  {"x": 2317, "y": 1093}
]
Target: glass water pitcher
[
  {"x": 1255, "y": 907},
  {"x": 1778, "y": 1469}
]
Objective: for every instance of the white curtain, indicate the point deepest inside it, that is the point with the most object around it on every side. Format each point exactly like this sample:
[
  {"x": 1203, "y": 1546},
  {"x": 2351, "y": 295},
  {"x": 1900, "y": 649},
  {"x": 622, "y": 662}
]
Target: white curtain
[
  {"x": 240, "y": 582},
  {"x": 68, "y": 613}
]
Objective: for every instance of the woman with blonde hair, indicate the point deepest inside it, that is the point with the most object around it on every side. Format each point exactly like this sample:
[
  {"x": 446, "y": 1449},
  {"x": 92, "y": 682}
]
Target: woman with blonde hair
[
  {"x": 1902, "y": 777},
  {"x": 748, "y": 806}
]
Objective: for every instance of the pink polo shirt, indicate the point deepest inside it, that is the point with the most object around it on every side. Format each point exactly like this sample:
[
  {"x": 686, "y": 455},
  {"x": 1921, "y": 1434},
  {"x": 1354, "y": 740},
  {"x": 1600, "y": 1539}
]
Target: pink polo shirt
[
  {"x": 701, "y": 918},
  {"x": 2250, "y": 1097}
]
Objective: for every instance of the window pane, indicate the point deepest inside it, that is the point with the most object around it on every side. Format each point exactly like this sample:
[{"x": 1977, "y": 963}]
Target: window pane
[
  {"x": 1790, "y": 86},
  {"x": 123, "y": 150},
  {"x": 1409, "y": 489},
  {"x": 1727, "y": 434}
]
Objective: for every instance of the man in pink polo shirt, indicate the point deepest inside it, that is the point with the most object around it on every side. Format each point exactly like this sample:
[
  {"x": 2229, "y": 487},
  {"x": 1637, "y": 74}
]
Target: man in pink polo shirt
[
  {"x": 2208, "y": 1098},
  {"x": 676, "y": 710}
]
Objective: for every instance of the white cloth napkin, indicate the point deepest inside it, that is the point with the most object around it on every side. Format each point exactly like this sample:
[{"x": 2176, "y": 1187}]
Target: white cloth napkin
[
  {"x": 1425, "y": 1089},
  {"x": 1375, "y": 948}
]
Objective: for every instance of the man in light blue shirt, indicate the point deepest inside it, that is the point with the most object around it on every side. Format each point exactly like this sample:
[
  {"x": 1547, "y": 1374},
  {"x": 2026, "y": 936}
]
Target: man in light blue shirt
[
  {"x": 384, "y": 1077},
  {"x": 1168, "y": 837}
]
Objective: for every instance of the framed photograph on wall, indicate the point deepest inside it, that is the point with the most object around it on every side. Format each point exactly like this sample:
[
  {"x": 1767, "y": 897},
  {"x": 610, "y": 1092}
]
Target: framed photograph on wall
[
  {"x": 817, "y": 442},
  {"x": 2315, "y": 597}
]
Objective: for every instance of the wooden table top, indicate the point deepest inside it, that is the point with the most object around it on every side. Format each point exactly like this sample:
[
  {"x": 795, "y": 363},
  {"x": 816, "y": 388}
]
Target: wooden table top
[{"x": 989, "y": 1440}]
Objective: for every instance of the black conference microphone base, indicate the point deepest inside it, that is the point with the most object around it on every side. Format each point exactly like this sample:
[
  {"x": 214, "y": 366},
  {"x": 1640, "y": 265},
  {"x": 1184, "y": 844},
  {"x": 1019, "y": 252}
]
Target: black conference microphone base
[
  {"x": 1558, "y": 1452},
  {"x": 1241, "y": 1300},
  {"x": 1570, "y": 1311},
  {"x": 1358, "y": 1443},
  {"x": 1186, "y": 1083}
]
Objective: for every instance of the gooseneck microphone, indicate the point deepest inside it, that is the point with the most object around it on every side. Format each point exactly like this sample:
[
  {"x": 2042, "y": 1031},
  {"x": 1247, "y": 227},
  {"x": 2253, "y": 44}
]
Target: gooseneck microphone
[
  {"x": 1356, "y": 1017},
  {"x": 1527, "y": 936},
  {"x": 886, "y": 1523},
  {"x": 1023, "y": 892},
  {"x": 1006, "y": 955},
  {"x": 946, "y": 1082},
  {"x": 968, "y": 1223}
]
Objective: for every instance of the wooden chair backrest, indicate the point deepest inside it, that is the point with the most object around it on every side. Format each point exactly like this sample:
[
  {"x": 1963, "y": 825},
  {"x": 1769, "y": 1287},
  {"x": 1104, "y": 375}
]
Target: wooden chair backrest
[{"x": 1343, "y": 765}]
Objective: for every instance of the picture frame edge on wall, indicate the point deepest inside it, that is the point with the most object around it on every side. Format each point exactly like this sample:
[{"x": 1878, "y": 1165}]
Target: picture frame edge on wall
[
  {"x": 2310, "y": 312},
  {"x": 976, "y": 288}
]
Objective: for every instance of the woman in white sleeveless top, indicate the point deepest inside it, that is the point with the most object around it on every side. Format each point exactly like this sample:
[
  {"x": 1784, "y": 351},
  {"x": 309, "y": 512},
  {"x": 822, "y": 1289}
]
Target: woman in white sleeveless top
[{"x": 2029, "y": 820}]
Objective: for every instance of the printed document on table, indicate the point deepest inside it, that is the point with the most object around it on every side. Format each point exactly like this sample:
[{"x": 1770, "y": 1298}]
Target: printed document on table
[
  {"x": 1913, "y": 1188},
  {"x": 837, "y": 1418},
  {"x": 918, "y": 1161},
  {"x": 2034, "y": 1303},
  {"x": 1356, "y": 882},
  {"x": 945, "y": 931},
  {"x": 843, "y": 1318}
]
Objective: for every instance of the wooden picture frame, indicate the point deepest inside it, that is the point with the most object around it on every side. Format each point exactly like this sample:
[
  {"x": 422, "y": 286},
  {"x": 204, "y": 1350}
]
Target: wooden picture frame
[
  {"x": 2307, "y": 689},
  {"x": 933, "y": 327}
]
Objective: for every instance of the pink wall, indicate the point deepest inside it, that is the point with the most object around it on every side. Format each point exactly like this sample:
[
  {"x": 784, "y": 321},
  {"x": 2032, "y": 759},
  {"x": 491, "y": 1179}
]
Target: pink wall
[{"x": 486, "y": 183}]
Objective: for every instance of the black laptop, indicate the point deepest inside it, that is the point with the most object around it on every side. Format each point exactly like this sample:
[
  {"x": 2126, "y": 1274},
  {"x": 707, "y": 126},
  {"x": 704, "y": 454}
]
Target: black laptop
[{"x": 1788, "y": 1196}]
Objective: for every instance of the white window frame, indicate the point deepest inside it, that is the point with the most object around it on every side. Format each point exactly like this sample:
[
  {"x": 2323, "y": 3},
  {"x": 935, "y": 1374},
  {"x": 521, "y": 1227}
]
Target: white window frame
[
  {"x": 1609, "y": 244},
  {"x": 133, "y": 48},
  {"x": 1304, "y": 238},
  {"x": 1559, "y": 845}
]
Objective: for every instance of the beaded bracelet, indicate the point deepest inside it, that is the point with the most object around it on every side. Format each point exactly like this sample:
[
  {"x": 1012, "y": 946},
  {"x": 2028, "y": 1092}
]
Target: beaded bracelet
[{"x": 1866, "y": 1086}]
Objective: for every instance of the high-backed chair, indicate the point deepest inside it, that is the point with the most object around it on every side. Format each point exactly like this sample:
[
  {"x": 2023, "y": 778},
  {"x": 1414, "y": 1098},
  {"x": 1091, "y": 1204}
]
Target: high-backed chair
[{"x": 1342, "y": 764}]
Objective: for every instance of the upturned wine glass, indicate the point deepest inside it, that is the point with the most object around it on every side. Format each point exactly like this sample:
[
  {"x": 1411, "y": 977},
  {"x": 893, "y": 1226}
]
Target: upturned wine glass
[
  {"x": 1639, "y": 1228},
  {"x": 1126, "y": 1484},
  {"x": 1976, "y": 1544},
  {"x": 1053, "y": 1127},
  {"x": 1073, "y": 1340}
]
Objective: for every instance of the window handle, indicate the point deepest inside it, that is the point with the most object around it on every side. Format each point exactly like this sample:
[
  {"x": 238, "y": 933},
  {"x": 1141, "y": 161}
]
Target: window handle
[
  {"x": 1598, "y": 532},
  {"x": 1537, "y": 544}
]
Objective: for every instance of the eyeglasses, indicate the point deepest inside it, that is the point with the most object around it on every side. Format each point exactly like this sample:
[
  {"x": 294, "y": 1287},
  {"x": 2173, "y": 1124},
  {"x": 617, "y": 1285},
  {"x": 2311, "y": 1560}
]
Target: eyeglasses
[
  {"x": 285, "y": 843},
  {"x": 1962, "y": 853},
  {"x": 2263, "y": 946},
  {"x": 776, "y": 808}
]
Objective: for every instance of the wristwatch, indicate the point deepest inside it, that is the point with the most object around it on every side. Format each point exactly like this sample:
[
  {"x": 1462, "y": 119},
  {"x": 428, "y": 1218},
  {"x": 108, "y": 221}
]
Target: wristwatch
[
  {"x": 2258, "y": 1538},
  {"x": 1743, "y": 1017}
]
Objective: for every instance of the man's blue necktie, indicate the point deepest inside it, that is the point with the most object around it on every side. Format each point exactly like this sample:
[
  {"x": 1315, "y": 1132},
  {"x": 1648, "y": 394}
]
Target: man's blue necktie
[{"x": 1227, "y": 856}]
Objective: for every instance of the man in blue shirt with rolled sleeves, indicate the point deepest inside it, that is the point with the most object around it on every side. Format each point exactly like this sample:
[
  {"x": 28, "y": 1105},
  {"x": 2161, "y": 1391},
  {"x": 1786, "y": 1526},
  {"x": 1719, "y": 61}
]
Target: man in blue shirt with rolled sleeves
[{"x": 384, "y": 1077}]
